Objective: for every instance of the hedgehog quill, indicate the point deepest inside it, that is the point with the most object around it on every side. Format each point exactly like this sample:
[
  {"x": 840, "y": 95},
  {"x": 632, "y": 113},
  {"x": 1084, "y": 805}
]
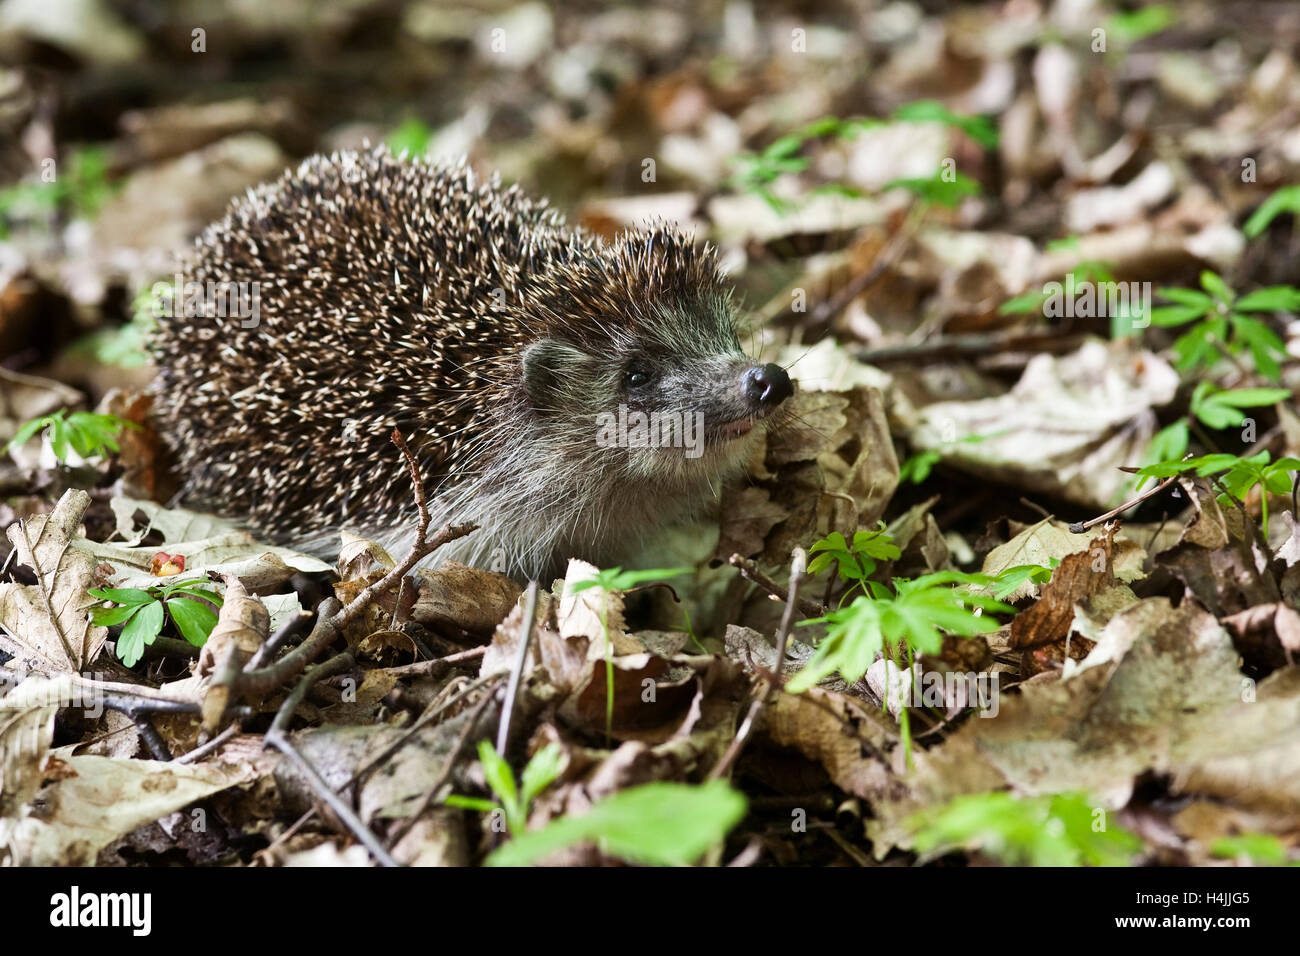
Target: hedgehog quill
[{"x": 565, "y": 393}]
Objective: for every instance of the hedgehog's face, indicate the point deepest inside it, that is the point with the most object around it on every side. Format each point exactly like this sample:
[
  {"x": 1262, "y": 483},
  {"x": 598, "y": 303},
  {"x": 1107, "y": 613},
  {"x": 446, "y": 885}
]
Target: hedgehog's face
[{"x": 668, "y": 406}]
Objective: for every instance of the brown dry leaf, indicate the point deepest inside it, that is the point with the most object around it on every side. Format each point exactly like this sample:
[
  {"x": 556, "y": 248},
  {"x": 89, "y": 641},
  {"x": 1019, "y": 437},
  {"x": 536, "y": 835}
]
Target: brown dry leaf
[
  {"x": 847, "y": 737},
  {"x": 1267, "y": 635},
  {"x": 1064, "y": 429},
  {"x": 1223, "y": 580},
  {"x": 1078, "y": 576},
  {"x": 47, "y": 625},
  {"x": 26, "y": 729},
  {"x": 469, "y": 598},
  {"x": 1160, "y": 692},
  {"x": 95, "y": 800},
  {"x": 830, "y": 464},
  {"x": 1208, "y": 529},
  {"x": 242, "y": 625},
  {"x": 1050, "y": 539}
]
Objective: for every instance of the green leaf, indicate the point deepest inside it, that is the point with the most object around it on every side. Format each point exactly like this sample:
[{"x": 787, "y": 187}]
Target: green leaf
[
  {"x": 1168, "y": 443},
  {"x": 1026, "y": 304},
  {"x": 122, "y": 595},
  {"x": 498, "y": 774},
  {"x": 1263, "y": 343},
  {"x": 27, "y": 431},
  {"x": 1261, "y": 848},
  {"x": 1214, "y": 285},
  {"x": 1252, "y": 397},
  {"x": 1131, "y": 26},
  {"x": 1286, "y": 199},
  {"x": 979, "y": 128},
  {"x": 472, "y": 803},
  {"x": 541, "y": 771},
  {"x": 1057, "y": 830},
  {"x": 140, "y": 631},
  {"x": 663, "y": 824},
  {"x": 194, "y": 619},
  {"x": 1172, "y": 315},
  {"x": 917, "y": 468},
  {"x": 1275, "y": 298},
  {"x": 1188, "y": 297},
  {"x": 411, "y": 137},
  {"x": 108, "y": 616}
]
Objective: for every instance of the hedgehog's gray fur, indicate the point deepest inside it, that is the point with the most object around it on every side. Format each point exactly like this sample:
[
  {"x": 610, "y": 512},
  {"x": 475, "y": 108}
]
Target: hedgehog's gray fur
[{"x": 407, "y": 294}]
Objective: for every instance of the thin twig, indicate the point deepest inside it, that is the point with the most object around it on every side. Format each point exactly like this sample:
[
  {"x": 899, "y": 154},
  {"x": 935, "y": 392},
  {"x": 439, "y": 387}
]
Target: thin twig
[
  {"x": 1079, "y": 527},
  {"x": 335, "y": 665},
  {"x": 827, "y": 309},
  {"x": 329, "y": 626},
  {"x": 424, "y": 668},
  {"x": 750, "y": 571},
  {"x": 198, "y": 753},
  {"x": 320, "y": 785},
  {"x": 516, "y": 672},
  {"x": 290, "y": 628},
  {"x": 797, "y": 566},
  {"x": 152, "y": 739},
  {"x": 431, "y": 791}
]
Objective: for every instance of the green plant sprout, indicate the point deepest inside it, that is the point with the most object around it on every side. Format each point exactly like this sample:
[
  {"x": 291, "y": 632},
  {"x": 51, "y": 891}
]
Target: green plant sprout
[
  {"x": 1054, "y": 830},
  {"x": 1262, "y": 849},
  {"x": 125, "y": 346},
  {"x": 900, "y": 625},
  {"x": 917, "y": 468},
  {"x": 89, "y": 434},
  {"x": 1235, "y": 476},
  {"x": 514, "y": 801},
  {"x": 610, "y": 580},
  {"x": 412, "y": 137},
  {"x": 655, "y": 824},
  {"x": 1214, "y": 408},
  {"x": 1008, "y": 579},
  {"x": 1084, "y": 272},
  {"x": 941, "y": 189},
  {"x": 1130, "y": 26},
  {"x": 84, "y": 188},
  {"x": 1223, "y": 323},
  {"x": 855, "y": 564},
  {"x": 756, "y": 172},
  {"x": 1285, "y": 200},
  {"x": 141, "y": 612}
]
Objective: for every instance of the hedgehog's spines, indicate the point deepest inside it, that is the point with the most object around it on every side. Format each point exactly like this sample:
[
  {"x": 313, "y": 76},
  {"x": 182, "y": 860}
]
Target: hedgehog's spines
[{"x": 378, "y": 308}]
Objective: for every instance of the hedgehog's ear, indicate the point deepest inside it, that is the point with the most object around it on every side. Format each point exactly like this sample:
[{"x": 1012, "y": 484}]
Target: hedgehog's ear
[{"x": 549, "y": 365}]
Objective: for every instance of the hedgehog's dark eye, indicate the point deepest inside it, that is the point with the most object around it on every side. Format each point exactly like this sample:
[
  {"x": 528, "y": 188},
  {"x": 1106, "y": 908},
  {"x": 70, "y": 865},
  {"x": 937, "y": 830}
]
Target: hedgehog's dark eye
[{"x": 638, "y": 373}]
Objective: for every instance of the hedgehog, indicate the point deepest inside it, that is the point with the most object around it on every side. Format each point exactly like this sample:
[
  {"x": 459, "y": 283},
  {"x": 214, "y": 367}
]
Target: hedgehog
[{"x": 565, "y": 393}]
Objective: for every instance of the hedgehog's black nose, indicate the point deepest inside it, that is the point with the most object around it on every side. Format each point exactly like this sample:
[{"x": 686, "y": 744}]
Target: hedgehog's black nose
[{"x": 767, "y": 385}]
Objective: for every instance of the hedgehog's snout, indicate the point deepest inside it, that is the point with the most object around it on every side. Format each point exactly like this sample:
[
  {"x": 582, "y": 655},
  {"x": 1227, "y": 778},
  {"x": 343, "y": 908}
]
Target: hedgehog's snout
[{"x": 766, "y": 387}]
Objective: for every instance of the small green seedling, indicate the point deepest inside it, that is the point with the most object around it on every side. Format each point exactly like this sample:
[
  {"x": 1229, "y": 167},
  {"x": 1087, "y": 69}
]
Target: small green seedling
[
  {"x": 515, "y": 801},
  {"x": 1007, "y": 580},
  {"x": 610, "y": 580},
  {"x": 1225, "y": 324},
  {"x": 755, "y": 173},
  {"x": 89, "y": 434},
  {"x": 909, "y": 622},
  {"x": 1235, "y": 476},
  {"x": 1130, "y": 26},
  {"x": 142, "y": 612},
  {"x": 855, "y": 565},
  {"x": 1214, "y": 408},
  {"x": 656, "y": 824},
  {"x": 412, "y": 137},
  {"x": 1285, "y": 200},
  {"x": 1262, "y": 849},
  {"x": 1057, "y": 830},
  {"x": 84, "y": 188}
]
